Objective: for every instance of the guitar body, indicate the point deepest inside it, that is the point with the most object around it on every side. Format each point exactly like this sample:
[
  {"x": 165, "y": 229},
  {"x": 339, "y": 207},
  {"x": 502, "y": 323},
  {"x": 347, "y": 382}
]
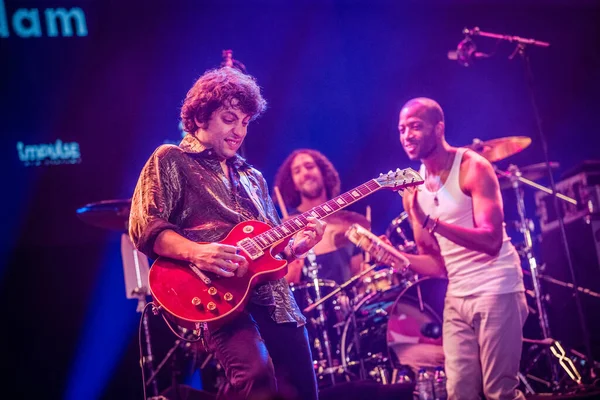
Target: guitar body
[{"x": 188, "y": 300}]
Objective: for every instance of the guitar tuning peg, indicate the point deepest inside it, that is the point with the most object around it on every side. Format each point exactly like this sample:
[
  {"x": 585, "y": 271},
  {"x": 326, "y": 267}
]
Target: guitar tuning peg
[{"x": 390, "y": 172}]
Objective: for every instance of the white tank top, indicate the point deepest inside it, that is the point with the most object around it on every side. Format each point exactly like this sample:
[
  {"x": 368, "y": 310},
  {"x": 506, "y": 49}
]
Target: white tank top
[{"x": 469, "y": 272}]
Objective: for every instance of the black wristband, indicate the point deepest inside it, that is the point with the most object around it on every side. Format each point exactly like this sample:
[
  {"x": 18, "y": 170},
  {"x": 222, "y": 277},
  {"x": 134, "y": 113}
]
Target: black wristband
[{"x": 426, "y": 221}]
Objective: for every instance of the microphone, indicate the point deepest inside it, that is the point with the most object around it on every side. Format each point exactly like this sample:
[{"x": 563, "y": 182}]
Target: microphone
[
  {"x": 431, "y": 330},
  {"x": 466, "y": 52}
]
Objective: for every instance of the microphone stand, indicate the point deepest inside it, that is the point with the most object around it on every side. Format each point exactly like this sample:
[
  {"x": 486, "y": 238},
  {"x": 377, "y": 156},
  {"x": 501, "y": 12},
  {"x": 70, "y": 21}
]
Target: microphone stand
[
  {"x": 583, "y": 324},
  {"x": 520, "y": 49}
]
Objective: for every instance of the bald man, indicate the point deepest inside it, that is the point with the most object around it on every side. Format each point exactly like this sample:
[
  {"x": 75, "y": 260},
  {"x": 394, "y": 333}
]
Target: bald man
[{"x": 457, "y": 217}]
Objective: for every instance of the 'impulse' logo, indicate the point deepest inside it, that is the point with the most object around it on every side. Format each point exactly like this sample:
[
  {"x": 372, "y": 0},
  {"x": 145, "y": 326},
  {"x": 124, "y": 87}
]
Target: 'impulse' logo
[{"x": 33, "y": 155}]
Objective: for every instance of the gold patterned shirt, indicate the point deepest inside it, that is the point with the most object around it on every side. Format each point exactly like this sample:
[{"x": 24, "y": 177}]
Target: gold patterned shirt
[{"x": 184, "y": 188}]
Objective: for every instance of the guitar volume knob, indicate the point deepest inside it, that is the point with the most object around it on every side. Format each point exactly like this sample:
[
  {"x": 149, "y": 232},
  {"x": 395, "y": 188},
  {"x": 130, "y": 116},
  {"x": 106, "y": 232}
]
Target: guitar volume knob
[
  {"x": 212, "y": 290},
  {"x": 211, "y": 306},
  {"x": 196, "y": 301},
  {"x": 228, "y": 296}
]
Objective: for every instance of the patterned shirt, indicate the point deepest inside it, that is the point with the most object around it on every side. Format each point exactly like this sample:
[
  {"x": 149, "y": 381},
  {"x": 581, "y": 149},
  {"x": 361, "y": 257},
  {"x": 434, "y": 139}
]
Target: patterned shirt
[{"x": 184, "y": 188}]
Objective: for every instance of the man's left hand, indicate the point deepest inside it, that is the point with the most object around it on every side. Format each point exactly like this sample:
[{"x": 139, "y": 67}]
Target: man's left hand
[
  {"x": 307, "y": 238},
  {"x": 414, "y": 209}
]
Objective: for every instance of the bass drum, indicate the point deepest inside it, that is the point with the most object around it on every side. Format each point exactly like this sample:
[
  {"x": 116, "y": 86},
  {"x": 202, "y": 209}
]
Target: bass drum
[{"x": 398, "y": 327}]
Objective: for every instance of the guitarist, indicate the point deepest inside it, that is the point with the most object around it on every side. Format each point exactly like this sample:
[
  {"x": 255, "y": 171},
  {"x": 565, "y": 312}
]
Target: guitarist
[
  {"x": 457, "y": 218},
  {"x": 197, "y": 192}
]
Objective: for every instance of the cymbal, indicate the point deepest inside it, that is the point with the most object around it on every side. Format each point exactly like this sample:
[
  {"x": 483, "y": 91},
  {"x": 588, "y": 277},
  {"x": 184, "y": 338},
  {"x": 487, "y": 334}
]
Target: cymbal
[
  {"x": 500, "y": 148},
  {"x": 347, "y": 218},
  {"x": 532, "y": 172},
  {"x": 106, "y": 214},
  {"x": 334, "y": 236}
]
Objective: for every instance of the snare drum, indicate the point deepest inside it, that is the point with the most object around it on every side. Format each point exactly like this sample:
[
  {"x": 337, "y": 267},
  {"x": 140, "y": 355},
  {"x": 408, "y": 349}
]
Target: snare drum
[{"x": 380, "y": 281}]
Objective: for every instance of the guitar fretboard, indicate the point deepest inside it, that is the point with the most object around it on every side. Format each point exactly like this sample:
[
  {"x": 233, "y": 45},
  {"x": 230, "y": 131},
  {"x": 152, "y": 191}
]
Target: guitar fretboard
[{"x": 299, "y": 222}]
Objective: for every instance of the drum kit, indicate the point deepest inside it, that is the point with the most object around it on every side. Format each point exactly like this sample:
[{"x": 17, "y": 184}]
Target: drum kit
[{"x": 383, "y": 323}]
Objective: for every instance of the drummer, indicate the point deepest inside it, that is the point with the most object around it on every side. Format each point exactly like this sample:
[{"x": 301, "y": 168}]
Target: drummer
[{"x": 307, "y": 179}]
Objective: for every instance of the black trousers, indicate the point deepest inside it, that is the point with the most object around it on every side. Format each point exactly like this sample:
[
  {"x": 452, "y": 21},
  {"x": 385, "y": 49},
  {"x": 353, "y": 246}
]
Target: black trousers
[{"x": 262, "y": 358}]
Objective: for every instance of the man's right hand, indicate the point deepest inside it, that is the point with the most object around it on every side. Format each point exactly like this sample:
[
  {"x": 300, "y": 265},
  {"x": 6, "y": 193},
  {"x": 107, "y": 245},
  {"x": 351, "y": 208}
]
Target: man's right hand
[{"x": 220, "y": 259}]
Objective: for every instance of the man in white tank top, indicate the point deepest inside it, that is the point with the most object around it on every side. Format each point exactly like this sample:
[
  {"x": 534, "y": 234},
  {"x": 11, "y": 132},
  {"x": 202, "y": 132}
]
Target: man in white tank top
[{"x": 457, "y": 217}]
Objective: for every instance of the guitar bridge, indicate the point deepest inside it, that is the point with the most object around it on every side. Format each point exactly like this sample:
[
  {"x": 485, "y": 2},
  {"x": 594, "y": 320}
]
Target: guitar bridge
[{"x": 250, "y": 247}]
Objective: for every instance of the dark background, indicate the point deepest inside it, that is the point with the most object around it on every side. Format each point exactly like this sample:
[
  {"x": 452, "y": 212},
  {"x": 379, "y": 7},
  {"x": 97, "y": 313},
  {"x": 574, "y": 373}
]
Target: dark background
[{"x": 335, "y": 75}]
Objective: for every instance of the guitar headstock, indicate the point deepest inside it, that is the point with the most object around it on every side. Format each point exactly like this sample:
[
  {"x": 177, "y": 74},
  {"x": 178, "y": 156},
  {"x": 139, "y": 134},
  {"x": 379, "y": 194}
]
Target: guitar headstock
[{"x": 400, "y": 179}]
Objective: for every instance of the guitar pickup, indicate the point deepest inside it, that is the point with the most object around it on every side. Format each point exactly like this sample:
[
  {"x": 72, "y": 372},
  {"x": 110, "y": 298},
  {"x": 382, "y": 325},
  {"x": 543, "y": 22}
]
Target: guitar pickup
[{"x": 251, "y": 248}]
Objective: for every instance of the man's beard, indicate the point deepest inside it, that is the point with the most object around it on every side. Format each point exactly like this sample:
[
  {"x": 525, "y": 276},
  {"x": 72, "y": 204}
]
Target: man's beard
[
  {"x": 425, "y": 153},
  {"x": 312, "y": 193}
]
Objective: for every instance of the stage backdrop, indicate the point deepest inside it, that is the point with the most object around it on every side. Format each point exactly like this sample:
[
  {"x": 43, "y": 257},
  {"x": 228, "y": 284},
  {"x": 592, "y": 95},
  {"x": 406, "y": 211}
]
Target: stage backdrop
[{"x": 90, "y": 88}]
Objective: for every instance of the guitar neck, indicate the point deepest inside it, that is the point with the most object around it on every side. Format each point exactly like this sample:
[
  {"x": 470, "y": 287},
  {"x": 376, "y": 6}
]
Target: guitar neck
[{"x": 299, "y": 222}]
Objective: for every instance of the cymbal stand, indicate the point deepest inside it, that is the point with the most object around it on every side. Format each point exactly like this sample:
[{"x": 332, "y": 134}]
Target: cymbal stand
[
  {"x": 516, "y": 180},
  {"x": 348, "y": 285},
  {"x": 169, "y": 355},
  {"x": 321, "y": 321},
  {"x": 520, "y": 49}
]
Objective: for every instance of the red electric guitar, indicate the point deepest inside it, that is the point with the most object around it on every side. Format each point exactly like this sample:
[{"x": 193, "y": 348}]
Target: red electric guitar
[{"x": 191, "y": 296}]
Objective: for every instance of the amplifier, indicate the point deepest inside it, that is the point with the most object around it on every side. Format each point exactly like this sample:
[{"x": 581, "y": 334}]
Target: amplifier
[{"x": 583, "y": 186}]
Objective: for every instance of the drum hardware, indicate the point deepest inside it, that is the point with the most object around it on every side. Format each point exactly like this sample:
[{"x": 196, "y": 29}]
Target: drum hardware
[
  {"x": 569, "y": 285},
  {"x": 500, "y": 148},
  {"x": 346, "y": 287},
  {"x": 398, "y": 328},
  {"x": 135, "y": 268},
  {"x": 516, "y": 179},
  {"x": 583, "y": 184},
  {"x": 398, "y": 232},
  {"x": 522, "y": 44},
  {"x": 113, "y": 215},
  {"x": 566, "y": 357},
  {"x": 412, "y": 318},
  {"x": 107, "y": 214},
  {"x": 336, "y": 310},
  {"x": 395, "y": 274},
  {"x": 320, "y": 322},
  {"x": 532, "y": 173}
]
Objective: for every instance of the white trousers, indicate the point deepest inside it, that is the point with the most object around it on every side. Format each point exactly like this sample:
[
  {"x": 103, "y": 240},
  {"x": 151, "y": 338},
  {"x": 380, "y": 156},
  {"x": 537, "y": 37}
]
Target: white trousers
[{"x": 483, "y": 338}]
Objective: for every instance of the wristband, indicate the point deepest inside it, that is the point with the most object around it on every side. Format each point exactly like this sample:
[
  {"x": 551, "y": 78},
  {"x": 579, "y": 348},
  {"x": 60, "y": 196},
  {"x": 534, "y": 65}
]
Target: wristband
[
  {"x": 293, "y": 253},
  {"x": 435, "y": 223},
  {"x": 426, "y": 221}
]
